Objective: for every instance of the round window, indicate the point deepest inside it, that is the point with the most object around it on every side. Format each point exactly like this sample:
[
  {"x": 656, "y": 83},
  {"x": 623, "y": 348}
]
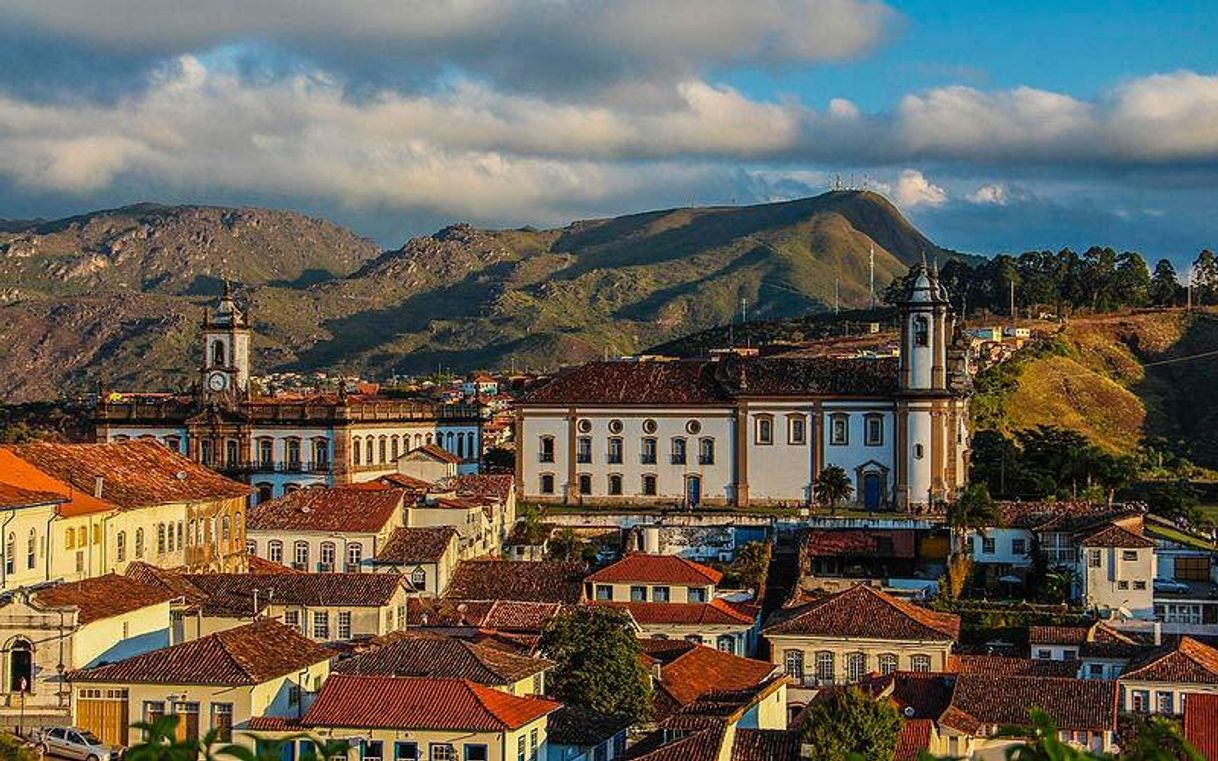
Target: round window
[
  {"x": 585, "y": 426},
  {"x": 693, "y": 427},
  {"x": 615, "y": 426},
  {"x": 649, "y": 426}
]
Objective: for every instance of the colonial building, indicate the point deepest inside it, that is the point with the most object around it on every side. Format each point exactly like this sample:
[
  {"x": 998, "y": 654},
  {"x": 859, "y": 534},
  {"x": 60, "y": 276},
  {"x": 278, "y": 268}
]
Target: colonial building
[
  {"x": 747, "y": 430},
  {"x": 278, "y": 443}
]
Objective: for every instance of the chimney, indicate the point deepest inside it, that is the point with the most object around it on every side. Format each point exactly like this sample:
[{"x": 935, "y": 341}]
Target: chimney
[
  {"x": 98, "y": 485},
  {"x": 1158, "y": 633}
]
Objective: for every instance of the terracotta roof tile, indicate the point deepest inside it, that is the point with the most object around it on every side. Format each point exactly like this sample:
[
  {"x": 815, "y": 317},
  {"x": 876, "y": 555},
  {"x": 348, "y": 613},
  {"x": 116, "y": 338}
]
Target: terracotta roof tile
[
  {"x": 400, "y": 480},
  {"x": 498, "y": 486},
  {"x": 766, "y": 745},
  {"x": 102, "y": 596},
  {"x": 891, "y": 544},
  {"x": 420, "y": 703},
  {"x": 702, "y": 670},
  {"x": 913, "y": 740},
  {"x": 434, "y": 452},
  {"x": 547, "y": 581},
  {"x": 656, "y": 569},
  {"x": 702, "y": 745},
  {"x": 926, "y": 694},
  {"x": 1073, "y": 704},
  {"x": 134, "y": 474},
  {"x": 262, "y": 565},
  {"x": 416, "y": 545},
  {"x": 571, "y": 725},
  {"x": 12, "y": 496},
  {"x": 22, "y": 474},
  {"x": 1116, "y": 536},
  {"x": 246, "y": 655},
  {"x": 865, "y": 612},
  {"x": 320, "y": 509},
  {"x": 681, "y": 613},
  {"x": 433, "y": 655},
  {"x": 1200, "y": 720},
  {"x": 1187, "y": 661},
  {"x": 505, "y": 615},
  {"x": 1064, "y": 515},
  {"x": 235, "y": 592},
  {"x": 999, "y": 665},
  {"x": 1098, "y": 640}
]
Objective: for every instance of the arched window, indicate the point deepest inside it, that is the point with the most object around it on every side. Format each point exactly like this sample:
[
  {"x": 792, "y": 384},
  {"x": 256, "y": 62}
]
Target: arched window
[
  {"x": 251, "y": 547},
  {"x": 217, "y": 353},
  {"x": 20, "y": 666},
  {"x": 355, "y": 556},
  {"x": 300, "y": 555},
  {"x": 265, "y": 491},
  {"x": 585, "y": 483},
  {"x": 856, "y": 667},
  {"x": 793, "y": 662},
  {"x": 139, "y": 543},
  {"x": 921, "y": 331},
  {"x": 274, "y": 551},
  {"x": 160, "y": 538},
  {"x": 919, "y": 663},
  {"x": 31, "y": 550},
  {"x": 826, "y": 667},
  {"x": 368, "y": 450},
  {"x": 120, "y": 546},
  {"x": 326, "y": 556},
  {"x": 461, "y": 445},
  {"x": 382, "y": 445},
  {"x": 429, "y": 438},
  {"x": 237, "y": 521},
  {"x": 418, "y": 578},
  {"x": 232, "y": 455},
  {"x": 356, "y": 453},
  {"x": 418, "y": 439},
  {"x": 395, "y": 446},
  {"x": 887, "y": 662},
  {"x": 321, "y": 454}
]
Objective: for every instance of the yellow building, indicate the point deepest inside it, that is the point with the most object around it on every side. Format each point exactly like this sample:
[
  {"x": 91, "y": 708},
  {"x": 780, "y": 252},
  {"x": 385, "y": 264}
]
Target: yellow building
[
  {"x": 841, "y": 638},
  {"x": 26, "y": 514},
  {"x": 441, "y": 657},
  {"x": 48, "y": 630},
  {"x": 417, "y": 718},
  {"x": 426, "y": 557},
  {"x": 640, "y": 577},
  {"x": 217, "y": 682}
]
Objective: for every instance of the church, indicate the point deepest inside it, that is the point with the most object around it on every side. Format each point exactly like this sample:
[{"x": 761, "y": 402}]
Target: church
[
  {"x": 283, "y": 442},
  {"x": 737, "y": 431}
]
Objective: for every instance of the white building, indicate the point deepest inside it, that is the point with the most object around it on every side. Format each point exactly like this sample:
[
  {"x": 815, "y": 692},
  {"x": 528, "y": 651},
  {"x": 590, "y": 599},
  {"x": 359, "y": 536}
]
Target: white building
[
  {"x": 750, "y": 430},
  {"x": 278, "y": 443}
]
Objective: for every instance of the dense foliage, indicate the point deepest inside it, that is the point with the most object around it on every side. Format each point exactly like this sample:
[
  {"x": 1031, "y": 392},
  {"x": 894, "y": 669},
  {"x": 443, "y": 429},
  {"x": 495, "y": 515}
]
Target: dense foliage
[
  {"x": 848, "y": 724},
  {"x": 597, "y": 664},
  {"x": 1047, "y": 461}
]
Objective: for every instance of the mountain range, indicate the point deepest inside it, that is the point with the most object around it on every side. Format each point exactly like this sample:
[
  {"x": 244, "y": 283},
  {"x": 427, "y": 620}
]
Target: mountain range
[{"x": 115, "y": 296}]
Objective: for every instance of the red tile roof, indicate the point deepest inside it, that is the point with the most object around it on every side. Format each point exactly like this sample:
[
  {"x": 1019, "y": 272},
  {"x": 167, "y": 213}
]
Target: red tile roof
[
  {"x": 997, "y": 665},
  {"x": 403, "y": 703},
  {"x": 702, "y": 745},
  {"x": 134, "y": 474},
  {"x": 1185, "y": 662},
  {"x": 681, "y": 613},
  {"x": 1064, "y": 515},
  {"x": 498, "y": 486},
  {"x": 1072, "y": 704},
  {"x": 913, "y": 740},
  {"x": 433, "y": 655},
  {"x": 1201, "y": 724},
  {"x": 766, "y": 745},
  {"x": 926, "y": 694},
  {"x": 234, "y": 593},
  {"x": 102, "y": 596},
  {"x": 245, "y": 655},
  {"x": 23, "y": 475},
  {"x": 262, "y": 565},
  {"x": 1098, "y": 640},
  {"x": 436, "y": 453},
  {"x": 400, "y": 480},
  {"x": 862, "y": 611},
  {"x": 358, "y": 511},
  {"x": 703, "y": 669},
  {"x": 850, "y": 543},
  {"x": 416, "y": 545},
  {"x": 1116, "y": 536},
  {"x": 656, "y": 569},
  {"x": 546, "y": 581},
  {"x": 12, "y": 496},
  {"x": 506, "y": 615}
]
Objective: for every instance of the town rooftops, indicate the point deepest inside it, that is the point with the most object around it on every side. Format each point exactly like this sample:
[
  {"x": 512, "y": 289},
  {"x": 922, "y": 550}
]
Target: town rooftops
[
  {"x": 913, "y": 740},
  {"x": 505, "y": 615},
  {"x": 1187, "y": 661},
  {"x": 358, "y": 511},
  {"x": 416, "y": 545},
  {"x": 420, "y": 703},
  {"x": 1002, "y": 665},
  {"x": 1099, "y": 640},
  {"x": 716, "y": 611},
  {"x": 1200, "y": 718},
  {"x": 236, "y": 593},
  {"x": 12, "y": 496},
  {"x": 701, "y": 382},
  {"x": 1066, "y": 516},
  {"x": 245, "y": 655},
  {"x": 131, "y": 474},
  {"x": 433, "y": 655},
  {"x": 495, "y": 485},
  {"x": 766, "y": 745},
  {"x": 23, "y": 476},
  {"x": 1072, "y": 704},
  {"x": 701, "y": 670},
  {"x": 1116, "y": 536},
  {"x": 102, "y": 596},
  {"x": 858, "y": 542},
  {"x": 868, "y": 613},
  {"x": 656, "y": 569},
  {"x": 580, "y": 727},
  {"x": 546, "y": 581},
  {"x": 431, "y": 452}
]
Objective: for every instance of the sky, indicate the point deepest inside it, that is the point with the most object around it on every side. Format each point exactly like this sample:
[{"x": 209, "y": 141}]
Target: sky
[{"x": 996, "y": 127}]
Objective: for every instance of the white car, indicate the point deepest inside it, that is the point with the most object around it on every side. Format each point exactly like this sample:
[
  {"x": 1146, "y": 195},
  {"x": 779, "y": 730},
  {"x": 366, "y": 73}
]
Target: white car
[
  {"x": 1170, "y": 586},
  {"x": 70, "y": 742}
]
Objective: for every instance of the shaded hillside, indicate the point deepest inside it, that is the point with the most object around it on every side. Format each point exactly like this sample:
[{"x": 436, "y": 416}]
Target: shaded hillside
[
  {"x": 173, "y": 249},
  {"x": 1120, "y": 379},
  {"x": 114, "y": 296}
]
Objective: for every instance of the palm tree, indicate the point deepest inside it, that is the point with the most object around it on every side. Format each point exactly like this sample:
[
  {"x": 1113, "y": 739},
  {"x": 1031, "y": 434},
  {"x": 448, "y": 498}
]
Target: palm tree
[
  {"x": 832, "y": 486},
  {"x": 973, "y": 509}
]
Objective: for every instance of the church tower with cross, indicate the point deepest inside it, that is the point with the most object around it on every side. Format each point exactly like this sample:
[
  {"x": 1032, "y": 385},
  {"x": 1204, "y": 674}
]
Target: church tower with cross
[{"x": 226, "y": 349}]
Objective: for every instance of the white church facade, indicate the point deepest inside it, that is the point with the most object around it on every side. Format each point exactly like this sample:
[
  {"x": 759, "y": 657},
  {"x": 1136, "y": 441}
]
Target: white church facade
[
  {"x": 758, "y": 430},
  {"x": 283, "y": 442}
]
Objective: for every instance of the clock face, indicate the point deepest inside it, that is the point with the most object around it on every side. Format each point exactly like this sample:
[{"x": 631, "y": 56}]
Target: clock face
[{"x": 217, "y": 381}]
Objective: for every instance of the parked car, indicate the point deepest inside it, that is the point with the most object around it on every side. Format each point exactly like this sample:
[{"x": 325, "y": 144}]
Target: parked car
[
  {"x": 1170, "y": 586},
  {"x": 74, "y": 743}
]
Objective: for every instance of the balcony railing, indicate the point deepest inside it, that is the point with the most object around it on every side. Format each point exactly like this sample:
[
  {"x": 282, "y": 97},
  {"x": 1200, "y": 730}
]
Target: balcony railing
[{"x": 263, "y": 466}]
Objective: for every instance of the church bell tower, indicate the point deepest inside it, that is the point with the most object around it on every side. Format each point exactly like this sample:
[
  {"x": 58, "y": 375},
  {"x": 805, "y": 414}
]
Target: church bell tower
[{"x": 226, "y": 349}]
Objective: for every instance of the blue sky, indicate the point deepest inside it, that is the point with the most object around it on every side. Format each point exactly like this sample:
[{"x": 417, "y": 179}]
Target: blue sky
[{"x": 994, "y": 126}]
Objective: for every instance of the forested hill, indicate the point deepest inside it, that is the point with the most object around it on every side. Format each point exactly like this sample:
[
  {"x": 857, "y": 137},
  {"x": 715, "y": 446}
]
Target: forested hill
[{"x": 115, "y": 296}]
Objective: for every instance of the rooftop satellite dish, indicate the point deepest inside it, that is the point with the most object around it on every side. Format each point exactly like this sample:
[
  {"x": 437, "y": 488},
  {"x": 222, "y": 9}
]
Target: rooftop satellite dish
[
  {"x": 181, "y": 475},
  {"x": 909, "y": 712}
]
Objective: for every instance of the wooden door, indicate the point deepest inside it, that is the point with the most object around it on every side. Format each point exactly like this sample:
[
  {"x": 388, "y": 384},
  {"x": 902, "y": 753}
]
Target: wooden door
[{"x": 104, "y": 713}]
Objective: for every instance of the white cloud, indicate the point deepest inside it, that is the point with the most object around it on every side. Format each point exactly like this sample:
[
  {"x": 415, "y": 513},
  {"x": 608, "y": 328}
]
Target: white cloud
[
  {"x": 913, "y": 190},
  {"x": 994, "y": 193}
]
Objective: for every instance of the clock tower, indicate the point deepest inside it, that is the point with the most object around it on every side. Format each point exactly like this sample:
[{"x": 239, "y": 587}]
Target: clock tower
[{"x": 226, "y": 349}]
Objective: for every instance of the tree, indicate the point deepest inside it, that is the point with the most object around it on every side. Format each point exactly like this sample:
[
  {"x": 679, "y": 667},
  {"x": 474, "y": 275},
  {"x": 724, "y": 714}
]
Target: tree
[
  {"x": 12, "y": 749},
  {"x": 160, "y": 743},
  {"x": 1205, "y": 278},
  {"x": 832, "y": 486},
  {"x": 1159, "y": 739},
  {"x": 974, "y": 508},
  {"x": 597, "y": 662},
  {"x": 565, "y": 544},
  {"x": 750, "y": 567},
  {"x": 848, "y": 724},
  {"x": 1164, "y": 285}
]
